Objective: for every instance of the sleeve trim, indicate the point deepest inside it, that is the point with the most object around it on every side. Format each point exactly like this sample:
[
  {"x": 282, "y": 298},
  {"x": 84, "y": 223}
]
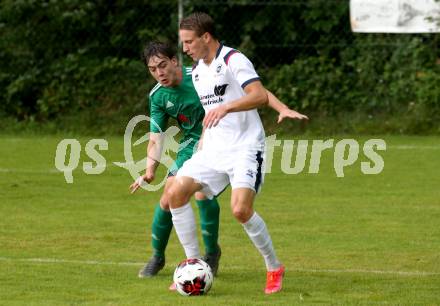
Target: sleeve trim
[
  {"x": 228, "y": 56},
  {"x": 249, "y": 81}
]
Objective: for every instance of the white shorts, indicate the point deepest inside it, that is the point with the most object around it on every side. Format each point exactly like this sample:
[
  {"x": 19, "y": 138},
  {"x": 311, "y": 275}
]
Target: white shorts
[{"x": 216, "y": 170}]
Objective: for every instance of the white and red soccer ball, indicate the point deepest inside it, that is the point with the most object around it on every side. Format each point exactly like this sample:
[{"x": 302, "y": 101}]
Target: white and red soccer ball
[{"x": 193, "y": 277}]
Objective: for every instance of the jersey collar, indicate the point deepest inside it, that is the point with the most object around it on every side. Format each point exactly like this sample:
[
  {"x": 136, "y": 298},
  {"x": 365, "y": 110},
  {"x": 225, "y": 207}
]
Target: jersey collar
[{"x": 219, "y": 50}]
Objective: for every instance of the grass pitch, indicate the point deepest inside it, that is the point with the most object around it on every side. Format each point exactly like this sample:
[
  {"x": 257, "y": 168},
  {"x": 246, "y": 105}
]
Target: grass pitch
[{"x": 361, "y": 239}]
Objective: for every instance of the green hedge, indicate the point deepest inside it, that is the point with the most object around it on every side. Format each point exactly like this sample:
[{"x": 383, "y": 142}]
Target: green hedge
[
  {"x": 74, "y": 65},
  {"x": 397, "y": 83}
]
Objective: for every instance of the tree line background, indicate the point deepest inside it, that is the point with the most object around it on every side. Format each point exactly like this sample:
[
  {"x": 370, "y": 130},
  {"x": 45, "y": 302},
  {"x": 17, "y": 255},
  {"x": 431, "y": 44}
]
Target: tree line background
[{"x": 75, "y": 65}]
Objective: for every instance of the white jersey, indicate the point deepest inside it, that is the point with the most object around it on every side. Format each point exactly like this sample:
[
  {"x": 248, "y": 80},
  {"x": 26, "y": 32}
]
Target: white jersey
[{"x": 222, "y": 82}]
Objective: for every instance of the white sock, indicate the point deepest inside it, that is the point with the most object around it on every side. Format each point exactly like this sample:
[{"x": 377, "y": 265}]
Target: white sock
[
  {"x": 257, "y": 231},
  {"x": 184, "y": 223}
]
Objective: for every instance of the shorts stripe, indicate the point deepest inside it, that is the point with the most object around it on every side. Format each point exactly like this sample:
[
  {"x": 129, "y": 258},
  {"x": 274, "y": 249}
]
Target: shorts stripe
[
  {"x": 218, "y": 194},
  {"x": 258, "y": 178}
]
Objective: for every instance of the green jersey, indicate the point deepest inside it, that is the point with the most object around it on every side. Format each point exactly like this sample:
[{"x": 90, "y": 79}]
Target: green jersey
[{"x": 181, "y": 103}]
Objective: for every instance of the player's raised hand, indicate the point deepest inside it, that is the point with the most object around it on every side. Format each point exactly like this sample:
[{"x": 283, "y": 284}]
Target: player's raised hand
[
  {"x": 213, "y": 117},
  {"x": 290, "y": 113}
]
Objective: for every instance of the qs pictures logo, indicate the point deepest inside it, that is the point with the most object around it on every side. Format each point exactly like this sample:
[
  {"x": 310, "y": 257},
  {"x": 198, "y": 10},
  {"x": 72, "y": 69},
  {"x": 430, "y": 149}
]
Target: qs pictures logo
[{"x": 68, "y": 153}]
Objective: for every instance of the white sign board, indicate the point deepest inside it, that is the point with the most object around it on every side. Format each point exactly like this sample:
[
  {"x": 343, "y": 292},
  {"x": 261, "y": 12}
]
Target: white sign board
[{"x": 395, "y": 16}]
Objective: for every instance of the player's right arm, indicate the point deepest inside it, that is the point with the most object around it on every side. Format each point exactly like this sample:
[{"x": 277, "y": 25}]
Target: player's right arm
[
  {"x": 154, "y": 152},
  {"x": 255, "y": 94},
  {"x": 158, "y": 123}
]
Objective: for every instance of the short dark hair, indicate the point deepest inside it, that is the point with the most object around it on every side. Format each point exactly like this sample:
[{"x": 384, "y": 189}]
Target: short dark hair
[
  {"x": 200, "y": 23},
  {"x": 159, "y": 49}
]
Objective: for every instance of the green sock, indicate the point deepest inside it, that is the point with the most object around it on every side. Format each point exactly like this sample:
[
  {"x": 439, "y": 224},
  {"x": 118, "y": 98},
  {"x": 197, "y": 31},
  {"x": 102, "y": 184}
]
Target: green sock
[
  {"x": 161, "y": 230},
  {"x": 209, "y": 211}
]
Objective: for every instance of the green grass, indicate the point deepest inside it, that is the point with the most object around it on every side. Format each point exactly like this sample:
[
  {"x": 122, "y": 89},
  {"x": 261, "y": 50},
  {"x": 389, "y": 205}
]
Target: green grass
[{"x": 344, "y": 240}]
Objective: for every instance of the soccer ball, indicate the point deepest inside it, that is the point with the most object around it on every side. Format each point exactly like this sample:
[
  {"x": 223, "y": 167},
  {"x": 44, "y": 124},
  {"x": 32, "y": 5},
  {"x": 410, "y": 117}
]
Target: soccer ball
[{"x": 193, "y": 277}]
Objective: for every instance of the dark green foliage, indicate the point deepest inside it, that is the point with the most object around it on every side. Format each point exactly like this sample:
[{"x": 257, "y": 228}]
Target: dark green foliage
[
  {"x": 379, "y": 76},
  {"x": 61, "y": 57},
  {"x": 67, "y": 59}
]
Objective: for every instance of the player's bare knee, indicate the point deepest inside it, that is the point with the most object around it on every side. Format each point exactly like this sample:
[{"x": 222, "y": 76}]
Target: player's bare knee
[
  {"x": 172, "y": 196},
  {"x": 176, "y": 196},
  {"x": 164, "y": 202},
  {"x": 168, "y": 194},
  {"x": 241, "y": 213}
]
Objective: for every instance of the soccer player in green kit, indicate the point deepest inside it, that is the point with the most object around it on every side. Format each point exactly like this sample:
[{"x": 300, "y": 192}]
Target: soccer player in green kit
[{"x": 174, "y": 96}]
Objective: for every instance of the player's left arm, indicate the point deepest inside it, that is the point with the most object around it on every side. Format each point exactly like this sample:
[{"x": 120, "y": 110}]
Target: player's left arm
[{"x": 283, "y": 110}]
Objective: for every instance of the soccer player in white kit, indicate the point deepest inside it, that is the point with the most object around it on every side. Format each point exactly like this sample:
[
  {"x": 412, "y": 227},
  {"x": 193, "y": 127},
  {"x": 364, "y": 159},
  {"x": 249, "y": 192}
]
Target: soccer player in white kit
[{"x": 231, "y": 151}]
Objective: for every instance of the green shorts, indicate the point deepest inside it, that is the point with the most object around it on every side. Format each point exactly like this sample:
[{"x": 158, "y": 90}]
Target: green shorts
[{"x": 182, "y": 156}]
